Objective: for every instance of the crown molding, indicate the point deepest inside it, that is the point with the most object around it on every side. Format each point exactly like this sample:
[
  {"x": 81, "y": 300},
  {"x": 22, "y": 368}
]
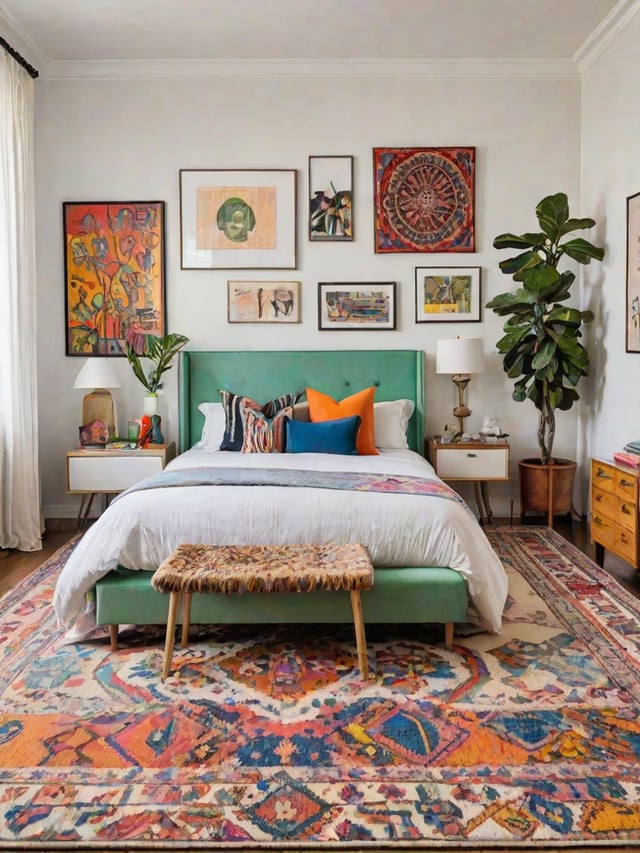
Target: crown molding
[
  {"x": 21, "y": 41},
  {"x": 318, "y": 68},
  {"x": 605, "y": 34}
]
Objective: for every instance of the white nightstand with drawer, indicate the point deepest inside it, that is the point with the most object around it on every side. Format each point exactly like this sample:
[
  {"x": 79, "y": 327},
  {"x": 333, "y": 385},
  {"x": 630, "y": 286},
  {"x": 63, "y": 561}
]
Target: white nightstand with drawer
[
  {"x": 107, "y": 472},
  {"x": 476, "y": 462}
]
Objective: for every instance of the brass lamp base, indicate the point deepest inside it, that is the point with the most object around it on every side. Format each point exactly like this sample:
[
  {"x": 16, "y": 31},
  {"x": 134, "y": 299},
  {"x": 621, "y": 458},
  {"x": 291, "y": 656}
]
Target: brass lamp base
[{"x": 461, "y": 411}]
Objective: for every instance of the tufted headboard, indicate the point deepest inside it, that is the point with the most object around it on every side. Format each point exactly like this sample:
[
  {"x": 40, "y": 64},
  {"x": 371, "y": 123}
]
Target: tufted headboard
[{"x": 263, "y": 375}]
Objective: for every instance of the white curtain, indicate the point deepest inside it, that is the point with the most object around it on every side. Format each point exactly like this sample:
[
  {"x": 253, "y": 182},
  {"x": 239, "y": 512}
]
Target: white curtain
[{"x": 20, "y": 514}]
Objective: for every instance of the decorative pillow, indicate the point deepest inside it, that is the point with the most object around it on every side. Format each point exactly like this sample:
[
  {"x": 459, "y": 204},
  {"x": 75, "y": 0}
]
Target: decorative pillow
[
  {"x": 325, "y": 408},
  {"x": 214, "y": 424},
  {"x": 390, "y": 423},
  {"x": 233, "y": 432},
  {"x": 262, "y": 434},
  {"x": 338, "y": 436}
]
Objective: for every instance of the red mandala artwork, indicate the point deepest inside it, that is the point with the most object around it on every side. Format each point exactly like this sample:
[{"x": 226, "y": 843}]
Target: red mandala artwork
[{"x": 424, "y": 199}]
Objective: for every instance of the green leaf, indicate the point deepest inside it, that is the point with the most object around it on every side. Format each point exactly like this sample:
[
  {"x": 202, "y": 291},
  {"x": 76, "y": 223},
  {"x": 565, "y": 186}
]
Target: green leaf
[
  {"x": 544, "y": 355},
  {"x": 516, "y": 241},
  {"x": 554, "y": 210},
  {"x": 582, "y": 250},
  {"x": 525, "y": 261},
  {"x": 576, "y": 225},
  {"x": 541, "y": 278}
]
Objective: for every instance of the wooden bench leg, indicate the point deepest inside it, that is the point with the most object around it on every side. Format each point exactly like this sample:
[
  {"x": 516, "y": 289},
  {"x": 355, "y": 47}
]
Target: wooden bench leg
[
  {"x": 113, "y": 636},
  {"x": 186, "y": 620},
  {"x": 448, "y": 635},
  {"x": 174, "y": 607},
  {"x": 361, "y": 641}
]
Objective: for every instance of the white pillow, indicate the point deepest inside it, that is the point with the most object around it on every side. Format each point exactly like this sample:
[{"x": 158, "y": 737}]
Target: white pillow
[
  {"x": 213, "y": 427},
  {"x": 390, "y": 422}
]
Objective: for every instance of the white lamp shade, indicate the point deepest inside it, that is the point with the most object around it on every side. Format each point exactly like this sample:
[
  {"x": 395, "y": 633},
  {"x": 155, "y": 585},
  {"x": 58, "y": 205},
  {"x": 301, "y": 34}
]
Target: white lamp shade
[
  {"x": 460, "y": 355},
  {"x": 96, "y": 373}
]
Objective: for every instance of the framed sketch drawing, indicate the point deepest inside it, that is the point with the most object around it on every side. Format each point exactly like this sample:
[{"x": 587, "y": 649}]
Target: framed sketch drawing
[
  {"x": 362, "y": 306},
  {"x": 633, "y": 273},
  {"x": 114, "y": 256},
  {"x": 424, "y": 199},
  {"x": 448, "y": 294},
  {"x": 263, "y": 301},
  {"x": 330, "y": 198},
  {"x": 237, "y": 219}
]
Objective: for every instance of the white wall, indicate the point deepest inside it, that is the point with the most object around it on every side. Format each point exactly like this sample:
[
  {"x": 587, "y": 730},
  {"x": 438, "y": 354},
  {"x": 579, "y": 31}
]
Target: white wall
[
  {"x": 127, "y": 140},
  {"x": 610, "y": 173}
]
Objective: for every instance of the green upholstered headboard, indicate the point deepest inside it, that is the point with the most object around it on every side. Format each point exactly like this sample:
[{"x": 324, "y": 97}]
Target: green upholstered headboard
[{"x": 263, "y": 375}]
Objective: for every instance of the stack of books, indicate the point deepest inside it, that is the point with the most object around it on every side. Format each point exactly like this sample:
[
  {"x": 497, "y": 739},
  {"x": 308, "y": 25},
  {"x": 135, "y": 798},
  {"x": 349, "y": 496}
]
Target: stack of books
[{"x": 630, "y": 456}]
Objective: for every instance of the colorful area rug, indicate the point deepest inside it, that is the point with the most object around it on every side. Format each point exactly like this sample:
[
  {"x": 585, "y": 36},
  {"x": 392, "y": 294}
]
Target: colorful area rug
[{"x": 267, "y": 738}]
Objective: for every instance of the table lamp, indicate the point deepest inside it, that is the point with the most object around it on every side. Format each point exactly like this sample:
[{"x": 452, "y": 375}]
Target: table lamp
[
  {"x": 460, "y": 357},
  {"x": 98, "y": 374}
]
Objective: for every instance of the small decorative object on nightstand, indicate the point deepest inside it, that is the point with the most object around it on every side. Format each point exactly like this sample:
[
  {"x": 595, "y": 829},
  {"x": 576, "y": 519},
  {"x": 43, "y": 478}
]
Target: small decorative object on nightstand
[
  {"x": 472, "y": 461},
  {"x": 107, "y": 472}
]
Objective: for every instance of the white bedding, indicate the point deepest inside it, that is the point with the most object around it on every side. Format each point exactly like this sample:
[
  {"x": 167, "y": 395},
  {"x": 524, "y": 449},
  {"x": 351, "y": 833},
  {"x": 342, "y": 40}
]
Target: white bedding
[{"x": 141, "y": 529}]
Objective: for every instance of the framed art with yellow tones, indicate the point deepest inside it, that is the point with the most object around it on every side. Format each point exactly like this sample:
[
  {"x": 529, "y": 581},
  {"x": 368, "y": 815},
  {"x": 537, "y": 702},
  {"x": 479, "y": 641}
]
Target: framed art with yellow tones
[
  {"x": 114, "y": 275},
  {"x": 448, "y": 294}
]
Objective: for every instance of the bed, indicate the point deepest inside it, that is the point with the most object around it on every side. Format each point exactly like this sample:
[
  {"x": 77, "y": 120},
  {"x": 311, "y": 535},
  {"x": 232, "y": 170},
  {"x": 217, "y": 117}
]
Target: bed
[{"x": 425, "y": 548}]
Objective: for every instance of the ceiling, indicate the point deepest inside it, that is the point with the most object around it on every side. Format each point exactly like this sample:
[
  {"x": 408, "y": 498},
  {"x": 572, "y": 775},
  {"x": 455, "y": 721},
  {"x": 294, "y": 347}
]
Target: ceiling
[{"x": 100, "y": 30}]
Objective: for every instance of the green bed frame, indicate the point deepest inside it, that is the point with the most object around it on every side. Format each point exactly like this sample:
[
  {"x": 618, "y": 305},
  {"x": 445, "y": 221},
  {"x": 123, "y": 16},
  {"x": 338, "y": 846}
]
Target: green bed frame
[{"x": 403, "y": 594}]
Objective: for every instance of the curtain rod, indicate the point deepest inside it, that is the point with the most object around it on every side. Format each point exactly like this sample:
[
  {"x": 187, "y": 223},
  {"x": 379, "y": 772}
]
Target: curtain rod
[{"x": 19, "y": 59}]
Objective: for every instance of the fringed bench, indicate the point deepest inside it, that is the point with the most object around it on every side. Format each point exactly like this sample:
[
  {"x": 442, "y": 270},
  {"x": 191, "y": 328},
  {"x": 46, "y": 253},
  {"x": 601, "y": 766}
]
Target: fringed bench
[{"x": 233, "y": 569}]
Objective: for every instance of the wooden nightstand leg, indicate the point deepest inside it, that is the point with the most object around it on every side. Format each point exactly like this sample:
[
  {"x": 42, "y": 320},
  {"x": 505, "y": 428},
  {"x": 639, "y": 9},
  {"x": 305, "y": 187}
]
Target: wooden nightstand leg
[
  {"x": 448, "y": 634},
  {"x": 361, "y": 641},
  {"x": 174, "y": 607},
  {"x": 113, "y": 636}
]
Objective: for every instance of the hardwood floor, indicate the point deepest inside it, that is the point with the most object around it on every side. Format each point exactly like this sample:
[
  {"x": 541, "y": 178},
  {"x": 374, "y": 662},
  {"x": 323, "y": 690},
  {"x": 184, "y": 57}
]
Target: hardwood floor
[{"x": 16, "y": 565}]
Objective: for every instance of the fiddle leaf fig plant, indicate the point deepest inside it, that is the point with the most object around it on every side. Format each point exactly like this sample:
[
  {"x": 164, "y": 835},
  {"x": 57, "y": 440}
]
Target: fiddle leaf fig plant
[
  {"x": 541, "y": 348},
  {"x": 161, "y": 352}
]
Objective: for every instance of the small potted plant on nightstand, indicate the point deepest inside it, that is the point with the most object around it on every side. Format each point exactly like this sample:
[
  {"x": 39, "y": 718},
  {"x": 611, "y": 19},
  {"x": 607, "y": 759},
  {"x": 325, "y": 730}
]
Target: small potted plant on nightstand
[
  {"x": 541, "y": 348},
  {"x": 160, "y": 352}
]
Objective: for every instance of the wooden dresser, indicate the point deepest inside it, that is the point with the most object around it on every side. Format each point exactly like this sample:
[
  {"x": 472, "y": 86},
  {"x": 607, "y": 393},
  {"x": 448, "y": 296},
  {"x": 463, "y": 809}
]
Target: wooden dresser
[{"x": 614, "y": 511}]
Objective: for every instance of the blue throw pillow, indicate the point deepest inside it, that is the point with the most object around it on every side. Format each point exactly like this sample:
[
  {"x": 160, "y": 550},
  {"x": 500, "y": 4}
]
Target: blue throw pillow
[{"x": 337, "y": 436}]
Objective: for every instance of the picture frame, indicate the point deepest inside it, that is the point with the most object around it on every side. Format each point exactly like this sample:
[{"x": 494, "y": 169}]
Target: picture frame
[
  {"x": 632, "y": 336},
  {"x": 330, "y": 216},
  {"x": 356, "y": 306},
  {"x": 424, "y": 199},
  {"x": 114, "y": 270},
  {"x": 237, "y": 219},
  {"x": 448, "y": 294},
  {"x": 263, "y": 301}
]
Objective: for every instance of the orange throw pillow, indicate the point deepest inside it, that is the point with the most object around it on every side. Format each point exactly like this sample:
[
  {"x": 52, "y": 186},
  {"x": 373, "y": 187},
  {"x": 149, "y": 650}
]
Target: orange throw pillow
[{"x": 325, "y": 408}]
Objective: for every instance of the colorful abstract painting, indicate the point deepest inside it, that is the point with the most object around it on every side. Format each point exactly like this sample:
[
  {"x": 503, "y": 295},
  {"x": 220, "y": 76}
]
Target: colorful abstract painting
[
  {"x": 424, "y": 199},
  {"x": 343, "y": 306},
  {"x": 114, "y": 275}
]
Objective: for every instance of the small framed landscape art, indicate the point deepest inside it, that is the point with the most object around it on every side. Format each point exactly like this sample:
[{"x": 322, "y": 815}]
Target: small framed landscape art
[
  {"x": 237, "y": 219},
  {"x": 330, "y": 198},
  {"x": 263, "y": 301},
  {"x": 448, "y": 294},
  {"x": 633, "y": 273},
  {"x": 114, "y": 263},
  {"x": 424, "y": 199},
  {"x": 356, "y": 306}
]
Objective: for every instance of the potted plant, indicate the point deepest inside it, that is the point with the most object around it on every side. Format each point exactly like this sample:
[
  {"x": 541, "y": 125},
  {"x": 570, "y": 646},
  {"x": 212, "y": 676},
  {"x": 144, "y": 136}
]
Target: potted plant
[
  {"x": 161, "y": 352},
  {"x": 541, "y": 346}
]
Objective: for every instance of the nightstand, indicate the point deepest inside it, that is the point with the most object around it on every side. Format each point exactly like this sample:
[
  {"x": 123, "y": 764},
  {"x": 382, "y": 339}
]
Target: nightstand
[
  {"x": 477, "y": 462},
  {"x": 107, "y": 472}
]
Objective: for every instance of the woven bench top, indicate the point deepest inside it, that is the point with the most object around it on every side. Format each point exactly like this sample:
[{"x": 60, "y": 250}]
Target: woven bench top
[{"x": 264, "y": 568}]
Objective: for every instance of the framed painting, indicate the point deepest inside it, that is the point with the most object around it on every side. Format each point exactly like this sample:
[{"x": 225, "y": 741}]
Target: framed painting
[
  {"x": 424, "y": 199},
  {"x": 263, "y": 301},
  {"x": 448, "y": 294},
  {"x": 356, "y": 306},
  {"x": 331, "y": 198},
  {"x": 237, "y": 219},
  {"x": 633, "y": 273},
  {"x": 114, "y": 253}
]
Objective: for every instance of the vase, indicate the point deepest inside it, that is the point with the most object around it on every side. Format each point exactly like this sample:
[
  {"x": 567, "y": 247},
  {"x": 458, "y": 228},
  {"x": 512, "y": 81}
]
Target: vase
[{"x": 150, "y": 404}]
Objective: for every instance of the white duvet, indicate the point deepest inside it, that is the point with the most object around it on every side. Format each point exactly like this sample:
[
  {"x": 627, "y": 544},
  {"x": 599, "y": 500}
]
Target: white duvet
[{"x": 141, "y": 529}]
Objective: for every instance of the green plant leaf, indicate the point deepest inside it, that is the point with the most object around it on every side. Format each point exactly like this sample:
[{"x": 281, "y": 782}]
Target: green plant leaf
[
  {"x": 541, "y": 279},
  {"x": 525, "y": 261},
  {"x": 582, "y": 250},
  {"x": 576, "y": 225},
  {"x": 518, "y": 241}
]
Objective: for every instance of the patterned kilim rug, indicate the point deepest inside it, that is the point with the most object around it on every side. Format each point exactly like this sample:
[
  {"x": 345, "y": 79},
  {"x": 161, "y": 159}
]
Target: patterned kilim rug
[{"x": 266, "y": 737}]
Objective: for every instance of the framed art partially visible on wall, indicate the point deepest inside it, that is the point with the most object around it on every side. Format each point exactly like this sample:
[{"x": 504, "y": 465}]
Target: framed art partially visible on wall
[
  {"x": 633, "y": 273},
  {"x": 346, "y": 306},
  {"x": 424, "y": 199},
  {"x": 237, "y": 219},
  {"x": 448, "y": 294},
  {"x": 263, "y": 301},
  {"x": 114, "y": 256},
  {"x": 330, "y": 198}
]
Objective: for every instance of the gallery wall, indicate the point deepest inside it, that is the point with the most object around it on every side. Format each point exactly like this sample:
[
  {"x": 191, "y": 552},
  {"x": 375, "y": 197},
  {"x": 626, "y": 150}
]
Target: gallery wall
[{"x": 127, "y": 139}]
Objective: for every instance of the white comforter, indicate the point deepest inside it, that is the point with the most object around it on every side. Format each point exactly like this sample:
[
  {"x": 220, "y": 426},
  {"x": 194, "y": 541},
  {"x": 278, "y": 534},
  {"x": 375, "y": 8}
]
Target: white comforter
[{"x": 141, "y": 529}]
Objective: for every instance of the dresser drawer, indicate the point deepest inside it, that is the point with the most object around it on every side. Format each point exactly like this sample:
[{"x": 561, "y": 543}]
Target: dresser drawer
[
  {"x": 110, "y": 474},
  {"x": 461, "y": 463},
  {"x": 615, "y": 538},
  {"x": 616, "y": 508}
]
